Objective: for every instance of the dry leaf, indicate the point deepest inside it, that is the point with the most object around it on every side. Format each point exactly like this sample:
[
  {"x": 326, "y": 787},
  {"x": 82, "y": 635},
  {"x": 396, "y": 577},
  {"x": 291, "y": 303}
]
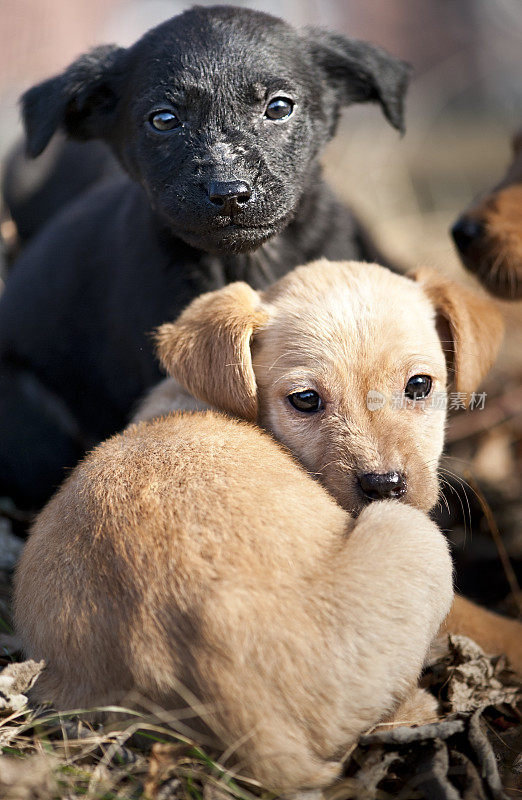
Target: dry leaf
[
  {"x": 470, "y": 679},
  {"x": 15, "y": 681}
]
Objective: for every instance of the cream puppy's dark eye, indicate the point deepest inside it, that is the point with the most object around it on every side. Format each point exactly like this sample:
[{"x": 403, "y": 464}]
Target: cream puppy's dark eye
[
  {"x": 164, "y": 120},
  {"x": 418, "y": 387},
  {"x": 307, "y": 401},
  {"x": 279, "y": 108}
]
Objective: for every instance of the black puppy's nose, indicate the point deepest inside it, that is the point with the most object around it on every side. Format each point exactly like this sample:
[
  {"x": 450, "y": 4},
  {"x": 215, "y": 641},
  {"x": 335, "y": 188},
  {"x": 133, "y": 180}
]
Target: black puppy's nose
[
  {"x": 465, "y": 231},
  {"x": 379, "y": 486},
  {"x": 229, "y": 195}
]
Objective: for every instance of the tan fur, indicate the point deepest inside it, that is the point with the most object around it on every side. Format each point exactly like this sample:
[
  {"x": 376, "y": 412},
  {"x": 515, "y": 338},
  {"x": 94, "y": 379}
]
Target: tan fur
[
  {"x": 496, "y": 255},
  {"x": 191, "y": 557},
  {"x": 165, "y": 397},
  {"x": 494, "y": 633},
  {"x": 474, "y": 326},
  {"x": 344, "y": 329},
  {"x": 211, "y": 347}
]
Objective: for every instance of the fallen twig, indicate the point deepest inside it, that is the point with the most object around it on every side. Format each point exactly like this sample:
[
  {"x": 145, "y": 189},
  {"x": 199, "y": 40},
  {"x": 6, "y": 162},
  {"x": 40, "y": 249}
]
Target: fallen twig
[{"x": 398, "y": 736}]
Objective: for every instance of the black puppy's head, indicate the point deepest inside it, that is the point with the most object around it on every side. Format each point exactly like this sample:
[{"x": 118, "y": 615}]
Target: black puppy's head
[{"x": 220, "y": 114}]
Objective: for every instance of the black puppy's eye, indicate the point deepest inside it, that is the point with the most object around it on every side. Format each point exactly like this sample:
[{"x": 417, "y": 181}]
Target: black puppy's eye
[
  {"x": 279, "y": 108},
  {"x": 164, "y": 120},
  {"x": 418, "y": 387},
  {"x": 307, "y": 401}
]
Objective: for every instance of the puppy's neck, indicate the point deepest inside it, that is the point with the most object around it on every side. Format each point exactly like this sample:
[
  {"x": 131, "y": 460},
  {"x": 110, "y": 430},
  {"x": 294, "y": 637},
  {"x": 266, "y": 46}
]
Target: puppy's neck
[{"x": 321, "y": 227}]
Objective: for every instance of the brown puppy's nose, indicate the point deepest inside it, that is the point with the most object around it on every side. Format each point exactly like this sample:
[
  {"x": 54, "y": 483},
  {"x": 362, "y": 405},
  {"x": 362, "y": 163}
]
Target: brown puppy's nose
[
  {"x": 380, "y": 486},
  {"x": 465, "y": 231},
  {"x": 229, "y": 195}
]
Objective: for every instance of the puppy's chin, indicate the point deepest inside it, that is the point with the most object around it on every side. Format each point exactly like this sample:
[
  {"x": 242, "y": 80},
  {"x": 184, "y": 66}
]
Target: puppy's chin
[
  {"x": 498, "y": 268},
  {"x": 223, "y": 236},
  {"x": 234, "y": 239}
]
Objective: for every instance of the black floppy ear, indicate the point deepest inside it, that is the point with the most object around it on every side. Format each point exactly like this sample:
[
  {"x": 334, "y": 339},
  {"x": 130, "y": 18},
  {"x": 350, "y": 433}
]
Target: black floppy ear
[
  {"x": 362, "y": 73},
  {"x": 81, "y": 100}
]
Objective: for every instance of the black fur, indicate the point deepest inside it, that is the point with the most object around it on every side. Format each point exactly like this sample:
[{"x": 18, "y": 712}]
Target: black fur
[
  {"x": 34, "y": 191},
  {"x": 129, "y": 254}
]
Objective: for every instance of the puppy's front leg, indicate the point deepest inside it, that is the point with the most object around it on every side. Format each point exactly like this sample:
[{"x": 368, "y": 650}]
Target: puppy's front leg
[
  {"x": 494, "y": 633},
  {"x": 396, "y": 578}
]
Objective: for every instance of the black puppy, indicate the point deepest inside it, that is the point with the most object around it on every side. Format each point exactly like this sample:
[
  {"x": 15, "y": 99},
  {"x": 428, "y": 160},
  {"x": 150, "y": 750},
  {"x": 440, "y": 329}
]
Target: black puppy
[
  {"x": 33, "y": 191},
  {"x": 218, "y": 117}
]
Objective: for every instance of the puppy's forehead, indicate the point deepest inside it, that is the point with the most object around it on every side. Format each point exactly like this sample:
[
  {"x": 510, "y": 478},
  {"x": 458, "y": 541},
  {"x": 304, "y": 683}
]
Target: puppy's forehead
[
  {"x": 351, "y": 312},
  {"x": 207, "y": 46}
]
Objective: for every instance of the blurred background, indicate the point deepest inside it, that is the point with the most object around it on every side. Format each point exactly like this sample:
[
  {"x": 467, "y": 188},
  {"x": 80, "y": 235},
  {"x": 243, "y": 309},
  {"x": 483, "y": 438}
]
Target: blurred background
[{"x": 465, "y": 101}]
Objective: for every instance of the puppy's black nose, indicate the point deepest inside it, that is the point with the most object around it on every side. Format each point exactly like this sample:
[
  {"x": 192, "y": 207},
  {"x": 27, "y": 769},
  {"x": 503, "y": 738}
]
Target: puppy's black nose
[
  {"x": 379, "y": 486},
  {"x": 465, "y": 231},
  {"x": 229, "y": 195}
]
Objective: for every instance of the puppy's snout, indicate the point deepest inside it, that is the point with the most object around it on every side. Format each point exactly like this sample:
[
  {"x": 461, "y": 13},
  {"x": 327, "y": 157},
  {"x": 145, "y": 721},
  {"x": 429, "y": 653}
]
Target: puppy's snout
[
  {"x": 465, "y": 231},
  {"x": 382, "y": 486},
  {"x": 229, "y": 195}
]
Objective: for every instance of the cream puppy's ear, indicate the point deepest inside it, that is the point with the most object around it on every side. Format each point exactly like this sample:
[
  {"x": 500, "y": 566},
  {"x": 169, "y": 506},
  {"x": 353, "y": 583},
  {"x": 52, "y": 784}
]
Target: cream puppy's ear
[
  {"x": 207, "y": 349},
  {"x": 470, "y": 326}
]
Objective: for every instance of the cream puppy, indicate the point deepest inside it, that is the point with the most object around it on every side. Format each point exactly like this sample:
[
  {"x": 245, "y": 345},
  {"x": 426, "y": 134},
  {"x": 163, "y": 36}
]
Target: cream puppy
[
  {"x": 309, "y": 358},
  {"x": 193, "y": 561},
  {"x": 313, "y": 358}
]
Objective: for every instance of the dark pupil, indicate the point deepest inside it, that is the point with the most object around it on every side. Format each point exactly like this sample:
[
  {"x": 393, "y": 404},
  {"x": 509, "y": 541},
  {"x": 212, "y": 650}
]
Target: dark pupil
[
  {"x": 305, "y": 401},
  {"x": 279, "y": 109},
  {"x": 418, "y": 387},
  {"x": 164, "y": 120}
]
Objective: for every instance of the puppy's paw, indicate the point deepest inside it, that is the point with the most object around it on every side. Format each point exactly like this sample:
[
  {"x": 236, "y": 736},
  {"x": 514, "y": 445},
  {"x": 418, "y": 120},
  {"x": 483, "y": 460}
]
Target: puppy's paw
[{"x": 417, "y": 708}]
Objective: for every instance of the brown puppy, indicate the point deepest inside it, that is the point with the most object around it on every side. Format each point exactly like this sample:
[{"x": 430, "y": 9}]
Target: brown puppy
[
  {"x": 489, "y": 234},
  {"x": 325, "y": 337},
  {"x": 193, "y": 560}
]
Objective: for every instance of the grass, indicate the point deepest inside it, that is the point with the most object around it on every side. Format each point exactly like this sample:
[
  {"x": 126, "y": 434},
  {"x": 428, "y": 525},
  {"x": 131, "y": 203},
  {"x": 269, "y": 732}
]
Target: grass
[
  {"x": 138, "y": 755},
  {"x": 134, "y": 756}
]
